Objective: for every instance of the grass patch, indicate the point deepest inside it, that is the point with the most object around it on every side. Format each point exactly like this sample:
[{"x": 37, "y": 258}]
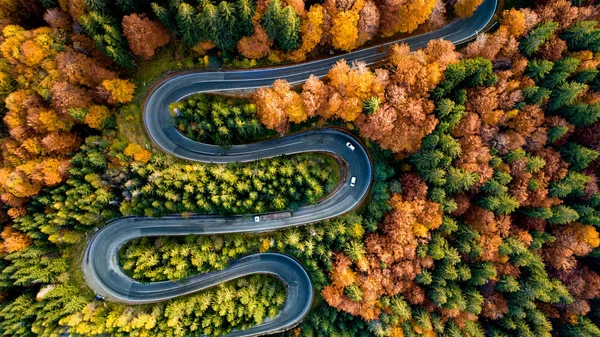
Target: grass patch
[
  {"x": 173, "y": 57},
  {"x": 130, "y": 125},
  {"x": 76, "y": 273}
]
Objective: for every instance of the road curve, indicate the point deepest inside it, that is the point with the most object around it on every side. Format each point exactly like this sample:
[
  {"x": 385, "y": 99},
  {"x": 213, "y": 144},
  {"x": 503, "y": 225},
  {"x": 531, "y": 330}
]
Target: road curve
[{"x": 100, "y": 262}]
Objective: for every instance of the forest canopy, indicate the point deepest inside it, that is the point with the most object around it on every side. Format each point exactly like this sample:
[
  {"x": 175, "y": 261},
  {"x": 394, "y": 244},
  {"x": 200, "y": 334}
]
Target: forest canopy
[
  {"x": 130, "y": 30},
  {"x": 484, "y": 212}
]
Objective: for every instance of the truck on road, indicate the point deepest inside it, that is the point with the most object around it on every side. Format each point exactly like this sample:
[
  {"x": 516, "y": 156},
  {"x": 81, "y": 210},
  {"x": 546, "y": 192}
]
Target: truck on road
[{"x": 273, "y": 216}]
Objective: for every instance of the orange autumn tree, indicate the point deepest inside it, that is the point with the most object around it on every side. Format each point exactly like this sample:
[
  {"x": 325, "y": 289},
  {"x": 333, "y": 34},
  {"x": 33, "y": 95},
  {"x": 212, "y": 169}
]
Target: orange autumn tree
[
  {"x": 515, "y": 21},
  {"x": 465, "y": 8},
  {"x": 573, "y": 240},
  {"x": 54, "y": 88},
  {"x": 312, "y": 33},
  {"x": 278, "y": 105},
  {"x": 256, "y": 46},
  {"x": 368, "y": 24},
  {"x": 144, "y": 35},
  {"x": 14, "y": 240},
  {"x": 405, "y": 114},
  {"x": 350, "y": 86},
  {"x": 138, "y": 153},
  {"x": 390, "y": 264}
]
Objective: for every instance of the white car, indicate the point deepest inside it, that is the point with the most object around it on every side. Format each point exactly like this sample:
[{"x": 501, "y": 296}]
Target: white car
[
  {"x": 352, "y": 181},
  {"x": 257, "y": 218},
  {"x": 350, "y": 146}
]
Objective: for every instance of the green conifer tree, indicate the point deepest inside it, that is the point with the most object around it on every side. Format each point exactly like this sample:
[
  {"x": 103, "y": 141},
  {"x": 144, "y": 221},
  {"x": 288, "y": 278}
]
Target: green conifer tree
[
  {"x": 578, "y": 156},
  {"x": 288, "y": 37},
  {"x": 537, "y": 37},
  {"x": 272, "y": 18}
]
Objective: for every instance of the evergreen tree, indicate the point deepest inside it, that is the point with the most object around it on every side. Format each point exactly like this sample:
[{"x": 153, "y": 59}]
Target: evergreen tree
[
  {"x": 245, "y": 12},
  {"x": 582, "y": 35},
  {"x": 582, "y": 114},
  {"x": 538, "y": 69},
  {"x": 560, "y": 72},
  {"x": 209, "y": 21},
  {"x": 354, "y": 293},
  {"x": 458, "y": 180},
  {"x": 537, "y": 37},
  {"x": 573, "y": 184},
  {"x": 502, "y": 204},
  {"x": 565, "y": 94},
  {"x": 557, "y": 132},
  {"x": 188, "y": 25},
  {"x": 174, "y": 4},
  {"x": 288, "y": 37},
  {"x": 96, "y": 5},
  {"x": 163, "y": 15},
  {"x": 586, "y": 76},
  {"x": 562, "y": 215},
  {"x": 227, "y": 29},
  {"x": 536, "y": 95},
  {"x": 272, "y": 18},
  {"x": 49, "y": 3},
  {"x": 371, "y": 104},
  {"x": 127, "y": 6},
  {"x": 578, "y": 156}
]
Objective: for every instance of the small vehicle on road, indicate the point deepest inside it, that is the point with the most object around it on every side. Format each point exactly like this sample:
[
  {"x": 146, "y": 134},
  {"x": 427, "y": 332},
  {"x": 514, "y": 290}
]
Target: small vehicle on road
[
  {"x": 350, "y": 146},
  {"x": 352, "y": 181},
  {"x": 275, "y": 216},
  {"x": 257, "y": 218},
  {"x": 99, "y": 298}
]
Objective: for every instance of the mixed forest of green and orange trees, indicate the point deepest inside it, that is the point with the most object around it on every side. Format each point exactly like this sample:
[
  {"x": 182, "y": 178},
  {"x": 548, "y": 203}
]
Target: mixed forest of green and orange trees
[{"x": 484, "y": 214}]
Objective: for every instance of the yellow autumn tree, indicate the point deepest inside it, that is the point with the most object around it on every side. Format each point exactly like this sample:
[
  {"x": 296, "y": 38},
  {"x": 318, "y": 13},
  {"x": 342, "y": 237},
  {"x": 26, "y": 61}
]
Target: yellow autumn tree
[
  {"x": 465, "y": 8},
  {"x": 406, "y": 17},
  {"x": 312, "y": 32},
  {"x": 120, "y": 91},
  {"x": 96, "y": 116},
  {"x": 14, "y": 240},
  {"x": 514, "y": 21},
  {"x": 414, "y": 13},
  {"x": 278, "y": 105},
  {"x": 31, "y": 53},
  {"x": 345, "y": 30},
  {"x": 51, "y": 121},
  {"x": 137, "y": 153},
  {"x": 350, "y": 87},
  {"x": 8, "y": 8}
]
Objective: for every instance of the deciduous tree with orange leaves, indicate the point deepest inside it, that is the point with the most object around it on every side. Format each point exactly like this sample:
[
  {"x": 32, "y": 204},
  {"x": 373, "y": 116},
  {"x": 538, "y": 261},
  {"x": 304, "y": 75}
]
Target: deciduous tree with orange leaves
[
  {"x": 144, "y": 35},
  {"x": 55, "y": 74},
  {"x": 278, "y": 105},
  {"x": 14, "y": 240},
  {"x": 119, "y": 91},
  {"x": 257, "y": 45},
  {"x": 391, "y": 264},
  {"x": 466, "y": 8},
  {"x": 137, "y": 153}
]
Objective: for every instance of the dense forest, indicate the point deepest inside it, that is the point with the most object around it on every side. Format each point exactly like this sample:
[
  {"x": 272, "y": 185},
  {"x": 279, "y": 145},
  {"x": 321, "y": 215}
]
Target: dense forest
[
  {"x": 483, "y": 215},
  {"x": 219, "y": 120},
  {"x": 129, "y": 30}
]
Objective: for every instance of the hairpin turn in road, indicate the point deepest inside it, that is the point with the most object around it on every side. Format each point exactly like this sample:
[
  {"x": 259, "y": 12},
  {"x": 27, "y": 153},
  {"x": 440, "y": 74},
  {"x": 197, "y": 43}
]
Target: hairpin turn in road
[{"x": 100, "y": 261}]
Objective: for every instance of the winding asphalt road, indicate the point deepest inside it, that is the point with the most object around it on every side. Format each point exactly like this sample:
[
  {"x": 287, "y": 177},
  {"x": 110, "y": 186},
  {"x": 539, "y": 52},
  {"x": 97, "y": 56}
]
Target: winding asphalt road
[{"x": 100, "y": 263}]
